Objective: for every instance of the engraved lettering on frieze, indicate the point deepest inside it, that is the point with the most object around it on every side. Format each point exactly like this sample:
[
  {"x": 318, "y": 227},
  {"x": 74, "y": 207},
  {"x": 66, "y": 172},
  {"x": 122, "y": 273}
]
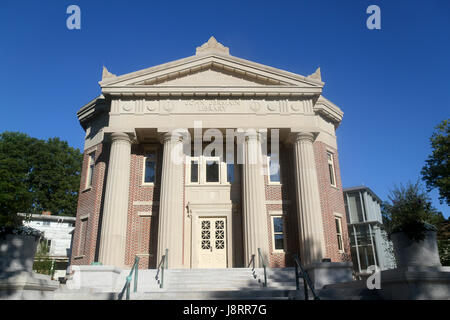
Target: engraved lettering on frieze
[{"x": 211, "y": 105}]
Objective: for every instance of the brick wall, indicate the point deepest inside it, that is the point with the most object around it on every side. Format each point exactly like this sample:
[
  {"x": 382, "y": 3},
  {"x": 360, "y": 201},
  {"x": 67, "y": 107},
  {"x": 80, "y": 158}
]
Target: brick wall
[
  {"x": 331, "y": 202},
  {"x": 85, "y": 238},
  {"x": 142, "y": 226}
]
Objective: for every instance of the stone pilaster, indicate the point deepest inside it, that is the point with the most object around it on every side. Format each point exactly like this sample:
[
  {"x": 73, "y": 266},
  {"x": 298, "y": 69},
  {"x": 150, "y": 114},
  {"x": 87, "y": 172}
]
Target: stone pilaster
[
  {"x": 171, "y": 211},
  {"x": 114, "y": 219},
  {"x": 255, "y": 231},
  {"x": 312, "y": 244}
]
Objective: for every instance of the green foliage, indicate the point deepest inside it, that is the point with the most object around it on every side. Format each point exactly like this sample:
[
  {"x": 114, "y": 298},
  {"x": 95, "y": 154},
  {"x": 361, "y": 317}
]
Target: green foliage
[
  {"x": 36, "y": 176},
  {"x": 42, "y": 262},
  {"x": 443, "y": 240},
  {"x": 410, "y": 211},
  {"x": 436, "y": 172}
]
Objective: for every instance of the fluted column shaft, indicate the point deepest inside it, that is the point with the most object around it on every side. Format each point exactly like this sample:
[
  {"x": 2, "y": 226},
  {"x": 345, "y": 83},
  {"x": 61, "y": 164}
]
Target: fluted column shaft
[
  {"x": 312, "y": 244},
  {"x": 115, "y": 211},
  {"x": 253, "y": 198},
  {"x": 171, "y": 213}
]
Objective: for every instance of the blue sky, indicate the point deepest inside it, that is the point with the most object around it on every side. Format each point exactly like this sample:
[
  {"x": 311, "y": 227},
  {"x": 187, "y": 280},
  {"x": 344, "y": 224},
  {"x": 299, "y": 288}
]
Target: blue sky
[{"x": 392, "y": 84}]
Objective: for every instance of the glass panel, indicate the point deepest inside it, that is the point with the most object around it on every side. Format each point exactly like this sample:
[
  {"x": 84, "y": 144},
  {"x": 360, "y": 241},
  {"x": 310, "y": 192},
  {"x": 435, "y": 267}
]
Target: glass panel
[
  {"x": 277, "y": 224},
  {"x": 274, "y": 170},
  {"x": 212, "y": 171},
  {"x": 330, "y": 169},
  {"x": 355, "y": 209},
  {"x": 230, "y": 172},
  {"x": 194, "y": 171},
  {"x": 220, "y": 244},
  {"x": 91, "y": 169},
  {"x": 338, "y": 225},
  {"x": 279, "y": 242},
  {"x": 150, "y": 170},
  {"x": 339, "y": 238}
]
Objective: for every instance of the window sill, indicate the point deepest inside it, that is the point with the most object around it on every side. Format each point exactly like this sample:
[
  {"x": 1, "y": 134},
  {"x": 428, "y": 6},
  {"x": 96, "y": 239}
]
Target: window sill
[
  {"x": 334, "y": 187},
  {"x": 87, "y": 189},
  {"x": 148, "y": 184},
  {"x": 270, "y": 183},
  {"x": 78, "y": 257}
]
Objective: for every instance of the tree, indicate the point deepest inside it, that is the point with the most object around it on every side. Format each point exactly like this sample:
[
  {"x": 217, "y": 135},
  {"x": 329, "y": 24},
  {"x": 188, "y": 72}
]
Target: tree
[
  {"x": 36, "y": 176},
  {"x": 410, "y": 210},
  {"x": 436, "y": 172}
]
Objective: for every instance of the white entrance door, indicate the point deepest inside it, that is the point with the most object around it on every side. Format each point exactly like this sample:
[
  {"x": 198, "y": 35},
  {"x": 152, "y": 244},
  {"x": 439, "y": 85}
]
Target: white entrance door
[{"x": 212, "y": 244}]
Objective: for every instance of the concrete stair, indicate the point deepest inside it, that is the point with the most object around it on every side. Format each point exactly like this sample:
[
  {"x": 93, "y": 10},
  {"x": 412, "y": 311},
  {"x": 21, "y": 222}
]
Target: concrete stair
[{"x": 201, "y": 284}]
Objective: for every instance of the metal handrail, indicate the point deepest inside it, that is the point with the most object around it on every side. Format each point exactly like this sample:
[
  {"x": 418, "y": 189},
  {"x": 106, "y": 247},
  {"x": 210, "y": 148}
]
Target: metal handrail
[
  {"x": 163, "y": 264},
  {"x": 126, "y": 287},
  {"x": 306, "y": 280},
  {"x": 252, "y": 262},
  {"x": 261, "y": 260}
]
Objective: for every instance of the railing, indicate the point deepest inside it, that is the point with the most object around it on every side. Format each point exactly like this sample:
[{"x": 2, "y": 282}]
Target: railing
[
  {"x": 306, "y": 280},
  {"x": 263, "y": 263},
  {"x": 163, "y": 264},
  {"x": 126, "y": 287}
]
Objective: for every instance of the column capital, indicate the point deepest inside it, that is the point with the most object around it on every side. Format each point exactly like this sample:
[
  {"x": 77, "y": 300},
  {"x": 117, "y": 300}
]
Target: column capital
[
  {"x": 253, "y": 134},
  {"x": 170, "y": 135},
  {"x": 304, "y": 136},
  {"x": 120, "y": 136}
]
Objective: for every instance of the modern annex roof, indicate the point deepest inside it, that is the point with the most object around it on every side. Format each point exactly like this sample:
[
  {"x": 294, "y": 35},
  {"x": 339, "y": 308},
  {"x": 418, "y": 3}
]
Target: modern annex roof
[{"x": 213, "y": 72}]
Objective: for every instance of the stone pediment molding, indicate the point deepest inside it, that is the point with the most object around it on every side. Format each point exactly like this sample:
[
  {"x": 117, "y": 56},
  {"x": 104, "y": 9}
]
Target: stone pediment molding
[{"x": 211, "y": 71}]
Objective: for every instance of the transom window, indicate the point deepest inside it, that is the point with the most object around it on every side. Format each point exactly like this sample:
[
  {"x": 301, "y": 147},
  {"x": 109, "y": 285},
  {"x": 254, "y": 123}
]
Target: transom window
[
  {"x": 331, "y": 171},
  {"x": 278, "y": 237},
  {"x": 209, "y": 170},
  {"x": 150, "y": 167}
]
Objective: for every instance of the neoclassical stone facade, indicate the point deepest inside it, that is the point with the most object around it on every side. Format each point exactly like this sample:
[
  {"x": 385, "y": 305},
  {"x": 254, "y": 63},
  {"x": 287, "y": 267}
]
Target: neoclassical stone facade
[{"x": 210, "y": 209}]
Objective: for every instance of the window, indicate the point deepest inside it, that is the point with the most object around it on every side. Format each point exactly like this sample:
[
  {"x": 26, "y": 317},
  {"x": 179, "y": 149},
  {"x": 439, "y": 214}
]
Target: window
[
  {"x": 150, "y": 168},
  {"x": 82, "y": 237},
  {"x": 230, "y": 172},
  {"x": 340, "y": 242},
  {"x": 194, "y": 171},
  {"x": 90, "y": 173},
  {"x": 212, "y": 170},
  {"x": 278, "y": 233},
  {"x": 331, "y": 169},
  {"x": 205, "y": 170},
  {"x": 273, "y": 167}
]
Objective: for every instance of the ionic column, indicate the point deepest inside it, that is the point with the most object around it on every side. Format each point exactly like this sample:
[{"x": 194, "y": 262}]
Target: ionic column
[
  {"x": 254, "y": 200},
  {"x": 115, "y": 211},
  {"x": 312, "y": 244},
  {"x": 171, "y": 212}
]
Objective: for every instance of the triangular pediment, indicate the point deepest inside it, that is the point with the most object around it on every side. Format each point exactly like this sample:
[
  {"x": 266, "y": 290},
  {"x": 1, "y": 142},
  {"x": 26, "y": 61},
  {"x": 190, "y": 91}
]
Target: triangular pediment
[
  {"x": 211, "y": 74},
  {"x": 212, "y": 70}
]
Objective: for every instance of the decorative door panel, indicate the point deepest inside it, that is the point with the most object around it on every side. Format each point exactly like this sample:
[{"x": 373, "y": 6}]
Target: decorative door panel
[{"x": 212, "y": 244}]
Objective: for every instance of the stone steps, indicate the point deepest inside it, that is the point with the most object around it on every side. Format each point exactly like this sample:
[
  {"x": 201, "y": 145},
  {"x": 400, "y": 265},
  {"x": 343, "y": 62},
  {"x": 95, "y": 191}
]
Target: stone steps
[{"x": 200, "y": 284}]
